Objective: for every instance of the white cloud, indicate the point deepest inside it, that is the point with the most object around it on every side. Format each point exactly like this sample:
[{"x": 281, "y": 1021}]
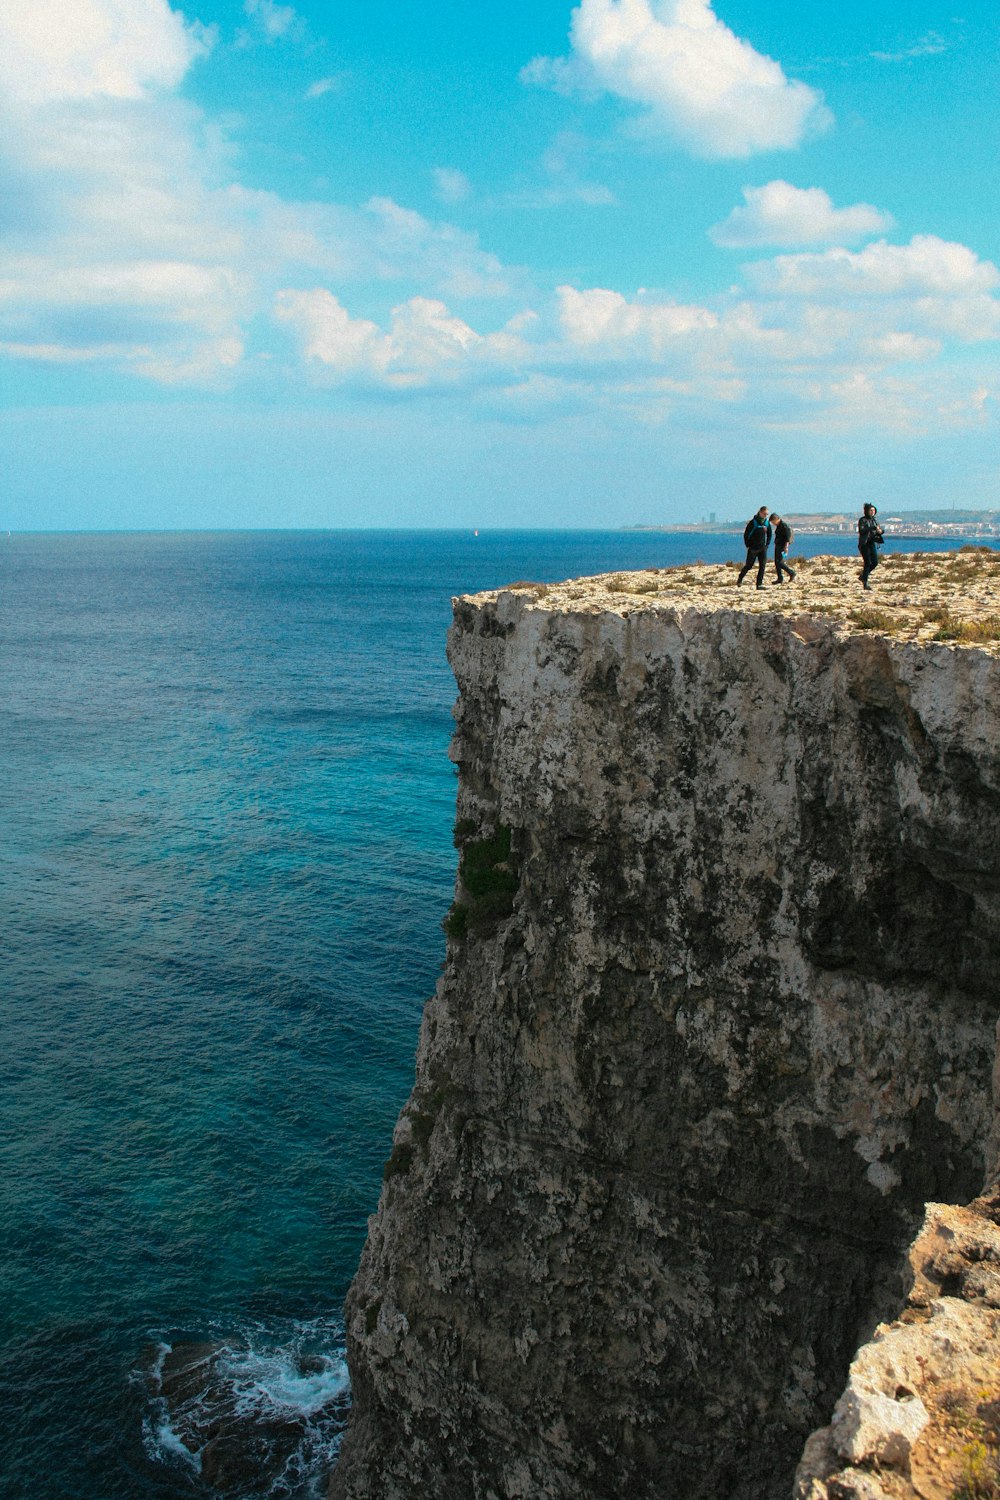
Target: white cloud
[
  {"x": 140, "y": 249},
  {"x": 699, "y": 83},
  {"x": 780, "y": 214},
  {"x": 929, "y": 45},
  {"x": 324, "y": 86},
  {"x": 137, "y": 245},
  {"x": 403, "y": 241},
  {"x": 813, "y": 365},
  {"x": 274, "y": 21},
  {"x": 927, "y": 266},
  {"x": 117, "y": 49},
  {"x": 330, "y": 335},
  {"x": 424, "y": 345},
  {"x": 451, "y": 185},
  {"x": 605, "y": 318}
]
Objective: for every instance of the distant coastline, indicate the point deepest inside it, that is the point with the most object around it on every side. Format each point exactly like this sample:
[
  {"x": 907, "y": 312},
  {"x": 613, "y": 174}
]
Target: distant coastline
[{"x": 921, "y": 525}]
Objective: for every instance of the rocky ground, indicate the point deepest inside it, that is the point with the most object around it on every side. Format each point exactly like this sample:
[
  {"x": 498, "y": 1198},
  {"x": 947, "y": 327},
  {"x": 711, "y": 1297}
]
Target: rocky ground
[
  {"x": 952, "y": 597},
  {"x": 920, "y": 1417}
]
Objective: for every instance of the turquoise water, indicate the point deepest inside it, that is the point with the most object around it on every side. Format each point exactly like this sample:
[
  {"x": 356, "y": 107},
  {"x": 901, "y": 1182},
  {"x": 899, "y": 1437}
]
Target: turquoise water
[{"x": 226, "y": 810}]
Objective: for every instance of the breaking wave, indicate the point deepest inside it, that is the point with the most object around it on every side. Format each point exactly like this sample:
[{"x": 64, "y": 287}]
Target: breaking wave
[{"x": 254, "y": 1411}]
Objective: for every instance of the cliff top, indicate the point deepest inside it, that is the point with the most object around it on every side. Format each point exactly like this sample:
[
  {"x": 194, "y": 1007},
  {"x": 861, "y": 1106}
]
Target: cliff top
[{"x": 915, "y": 596}]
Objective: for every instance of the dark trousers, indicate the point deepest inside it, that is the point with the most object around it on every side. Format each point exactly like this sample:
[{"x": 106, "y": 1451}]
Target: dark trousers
[
  {"x": 869, "y": 556},
  {"x": 780, "y": 565},
  {"x": 758, "y": 560}
]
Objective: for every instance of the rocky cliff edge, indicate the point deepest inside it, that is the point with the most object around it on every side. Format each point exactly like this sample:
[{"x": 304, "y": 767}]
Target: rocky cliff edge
[{"x": 717, "y": 1020}]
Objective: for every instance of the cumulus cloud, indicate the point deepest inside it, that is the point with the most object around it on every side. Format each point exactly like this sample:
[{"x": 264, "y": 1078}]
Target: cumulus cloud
[
  {"x": 604, "y": 318},
  {"x": 131, "y": 242},
  {"x": 424, "y": 345},
  {"x": 926, "y": 267},
  {"x": 117, "y": 49},
  {"x": 130, "y": 239},
  {"x": 827, "y": 363},
  {"x": 780, "y": 214},
  {"x": 698, "y": 82},
  {"x": 795, "y": 363}
]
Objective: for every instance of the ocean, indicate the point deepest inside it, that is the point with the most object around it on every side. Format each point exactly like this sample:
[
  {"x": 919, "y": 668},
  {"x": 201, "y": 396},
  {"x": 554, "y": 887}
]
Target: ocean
[{"x": 226, "y": 853}]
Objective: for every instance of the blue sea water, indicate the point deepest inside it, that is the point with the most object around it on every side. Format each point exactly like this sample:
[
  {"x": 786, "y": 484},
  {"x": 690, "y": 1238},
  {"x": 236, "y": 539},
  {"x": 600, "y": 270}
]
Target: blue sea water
[{"x": 226, "y": 813}]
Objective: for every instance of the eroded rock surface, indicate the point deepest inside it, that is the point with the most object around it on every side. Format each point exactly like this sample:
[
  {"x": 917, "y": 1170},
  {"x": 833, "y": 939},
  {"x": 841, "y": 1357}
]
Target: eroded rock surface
[
  {"x": 920, "y": 1417},
  {"x": 717, "y": 1019}
]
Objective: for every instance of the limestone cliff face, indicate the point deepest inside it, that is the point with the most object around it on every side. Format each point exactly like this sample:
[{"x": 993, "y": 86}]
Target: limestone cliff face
[{"x": 715, "y": 1023}]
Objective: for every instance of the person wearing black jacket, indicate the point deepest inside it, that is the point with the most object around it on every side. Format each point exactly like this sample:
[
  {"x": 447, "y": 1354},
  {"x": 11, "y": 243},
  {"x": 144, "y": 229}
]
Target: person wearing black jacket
[
  {"x": 757, "y": 538},
  {"x": 870, "y": 539},
  {"x": 782, "y": 542}
]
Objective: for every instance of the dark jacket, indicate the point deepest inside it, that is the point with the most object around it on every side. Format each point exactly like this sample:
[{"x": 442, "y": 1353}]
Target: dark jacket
[
  {"x": 757, "y": 535},
  {"x": 782, "y": 536},
  {"x": 869, "y": 533}
]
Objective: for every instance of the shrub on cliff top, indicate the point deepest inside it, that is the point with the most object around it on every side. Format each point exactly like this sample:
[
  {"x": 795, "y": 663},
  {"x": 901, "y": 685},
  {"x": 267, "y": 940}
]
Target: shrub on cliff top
[
  {"x": 969, "y": 631},
  {"x": 875, "y": 619}
]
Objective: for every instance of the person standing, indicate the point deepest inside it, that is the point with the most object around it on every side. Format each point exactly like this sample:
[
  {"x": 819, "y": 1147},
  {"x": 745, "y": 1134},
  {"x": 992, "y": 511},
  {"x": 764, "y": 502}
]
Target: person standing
[
  {"x": 870, "y": 539},
  {"x": 782, "y": 541},
  {"x": 757, "y": 539}
]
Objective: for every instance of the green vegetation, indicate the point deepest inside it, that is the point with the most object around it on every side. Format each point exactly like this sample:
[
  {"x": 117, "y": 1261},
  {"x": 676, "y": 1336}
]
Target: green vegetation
[
  {"x": 980, "y": 1473},
  {"x": 488, "y": 879},
  {"x": 464, "y": 829},
  {"x": 968, "y": 631},
  {"x": 456, "y": 923},
  {"x": 875, "y": 619},
  {"x": 949, "y": 628},
  {"x": 399, "y": 1162},
  {"x": 974, "y": 1422}
]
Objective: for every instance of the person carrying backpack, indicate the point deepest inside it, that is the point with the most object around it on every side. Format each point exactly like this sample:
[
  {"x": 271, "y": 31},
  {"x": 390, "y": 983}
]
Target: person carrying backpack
[
  {"x": 783, "y": 534},
  {"x": 870, "y": 539},
  {"x": 757, "y": 538}
]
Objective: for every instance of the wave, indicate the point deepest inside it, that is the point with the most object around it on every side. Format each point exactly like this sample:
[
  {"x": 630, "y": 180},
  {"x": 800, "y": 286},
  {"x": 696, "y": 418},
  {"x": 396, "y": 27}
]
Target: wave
[{"x": 253, "y": 1411}]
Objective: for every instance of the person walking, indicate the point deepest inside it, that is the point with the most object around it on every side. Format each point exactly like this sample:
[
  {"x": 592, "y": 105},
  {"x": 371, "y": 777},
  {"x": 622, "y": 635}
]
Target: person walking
[
  {"x": 782, "y": 541},
  {"x": 870, "y": 539},
  {"x": 757, "y": 539}
]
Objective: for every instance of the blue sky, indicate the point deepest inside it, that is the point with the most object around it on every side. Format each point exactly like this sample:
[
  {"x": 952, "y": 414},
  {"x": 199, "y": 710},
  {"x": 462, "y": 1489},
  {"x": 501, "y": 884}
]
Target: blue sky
[{"x": 398, "y": 264}]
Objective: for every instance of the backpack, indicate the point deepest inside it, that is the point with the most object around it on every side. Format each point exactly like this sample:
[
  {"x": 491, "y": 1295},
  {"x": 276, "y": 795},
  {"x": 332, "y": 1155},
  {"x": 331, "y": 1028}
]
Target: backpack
[{"x": 754, "y": 535}]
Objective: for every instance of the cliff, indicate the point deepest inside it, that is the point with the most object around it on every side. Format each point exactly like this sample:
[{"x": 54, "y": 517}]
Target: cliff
[
  {"x": 920, "y": 1416},
  {"x": 717, "y": 1019}
]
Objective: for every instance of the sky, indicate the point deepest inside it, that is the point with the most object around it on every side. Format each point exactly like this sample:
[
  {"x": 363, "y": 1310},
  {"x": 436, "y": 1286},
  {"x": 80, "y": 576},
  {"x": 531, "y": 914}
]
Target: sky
[{"x": 380, "y": 263}]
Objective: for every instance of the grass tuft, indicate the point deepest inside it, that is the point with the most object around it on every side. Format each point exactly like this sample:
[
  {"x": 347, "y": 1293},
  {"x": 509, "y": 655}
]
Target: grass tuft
[
  {"x": 875, "y": 619},
  {"x": 538, "y": 589}
]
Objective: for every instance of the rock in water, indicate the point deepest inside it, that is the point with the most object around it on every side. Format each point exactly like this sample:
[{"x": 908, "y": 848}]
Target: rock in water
[{"x": 245, "y": 1419}]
